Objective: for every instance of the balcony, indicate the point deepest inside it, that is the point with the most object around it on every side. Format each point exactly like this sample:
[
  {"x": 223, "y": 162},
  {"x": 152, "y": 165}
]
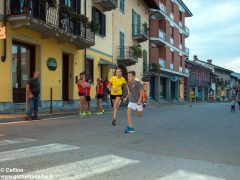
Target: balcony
[
  {"x": 140, "y": 33},
  {"x": 106, "y": 5},
  {"x": 50, "y": 22},
  {"x": 126, "y": 56},
  {"x": 186, "y": 31},
  {"x": 162, "y": 63},
  {"x": 180, "y": 69},
  {"x": 160, "y": 40},
  {"x": 159, "y": 13},
  {"x": 187, "y": 52}
]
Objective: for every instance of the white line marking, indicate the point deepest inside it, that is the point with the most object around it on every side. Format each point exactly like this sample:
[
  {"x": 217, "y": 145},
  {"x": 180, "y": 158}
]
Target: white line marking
[
  {"x": 85, "y": 168},
  {"x": 34, "y": 151},
  {"x": 15, "y": 141},
  {"x": 187, "y": 175}
]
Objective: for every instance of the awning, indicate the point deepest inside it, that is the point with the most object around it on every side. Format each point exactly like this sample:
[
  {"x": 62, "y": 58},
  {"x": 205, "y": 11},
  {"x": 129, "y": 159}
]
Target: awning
[{"x": 103, "y": 62}]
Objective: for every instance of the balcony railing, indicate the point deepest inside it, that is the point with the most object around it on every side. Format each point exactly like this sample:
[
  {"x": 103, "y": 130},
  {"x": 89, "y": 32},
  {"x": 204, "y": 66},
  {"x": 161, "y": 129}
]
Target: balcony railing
[
  {"x": 106, "y": 5},
  {"x": 140, "y": 33},
  {"x": 186, "y": 51},
  {"x": 162, "y": 8},
  {"x": 187, "y": 31},
  {"x": 50, "y": 22},
  {"x": 162, "y": 35},
  {"x": 162, "y": 63},
  {"x": 126, "y": 56},
  {"x": 180, "y": 69}
]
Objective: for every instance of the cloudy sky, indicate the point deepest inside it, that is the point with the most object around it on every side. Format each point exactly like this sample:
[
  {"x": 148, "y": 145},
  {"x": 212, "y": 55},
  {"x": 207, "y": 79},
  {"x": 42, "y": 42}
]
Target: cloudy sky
[{"x": 215, "y": 31}]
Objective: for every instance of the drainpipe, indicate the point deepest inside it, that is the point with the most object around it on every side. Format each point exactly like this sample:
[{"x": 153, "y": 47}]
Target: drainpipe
[
  {"x": 85, "y": 50},
  {"x": 3, "y": 57}
]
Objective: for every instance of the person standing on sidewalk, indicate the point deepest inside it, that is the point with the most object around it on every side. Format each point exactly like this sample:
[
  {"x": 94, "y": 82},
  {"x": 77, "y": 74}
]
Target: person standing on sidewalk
[
  {"x": 32, "y": 96},
  {"x": 135, "y": 94},
  {"x": 99, "y": 95},
  {"x": 88, "y": 98},
  {"x": 192, "y": 97},
  {"x": 81, "y": 92},
  {"x": 115, "y": 86}
]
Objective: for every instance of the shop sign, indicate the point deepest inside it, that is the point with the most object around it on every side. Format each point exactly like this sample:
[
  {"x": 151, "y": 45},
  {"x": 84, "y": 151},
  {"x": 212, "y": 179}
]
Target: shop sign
[
  {"x": 3, "y": 32},
  {"x": 52, "y": 64}
]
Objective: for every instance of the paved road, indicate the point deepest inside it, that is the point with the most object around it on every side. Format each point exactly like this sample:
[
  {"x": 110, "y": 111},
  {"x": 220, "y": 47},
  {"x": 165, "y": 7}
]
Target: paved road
[{"x": 170, "y": 143}]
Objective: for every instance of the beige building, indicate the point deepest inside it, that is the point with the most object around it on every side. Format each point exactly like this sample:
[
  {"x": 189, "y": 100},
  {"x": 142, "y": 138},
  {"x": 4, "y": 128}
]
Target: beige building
[{"x": 130, "y": 32}]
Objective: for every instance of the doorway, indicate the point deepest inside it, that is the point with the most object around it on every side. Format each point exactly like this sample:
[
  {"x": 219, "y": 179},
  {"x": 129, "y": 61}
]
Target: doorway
[
  {"x": 65, "y": 79},
  {"x": 173, "y": 90},
  {"x": 23, "y": 63}
]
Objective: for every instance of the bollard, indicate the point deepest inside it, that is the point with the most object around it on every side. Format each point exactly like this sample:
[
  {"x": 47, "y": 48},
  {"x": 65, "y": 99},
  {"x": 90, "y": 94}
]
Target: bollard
[{"x": 51, "y": 109}]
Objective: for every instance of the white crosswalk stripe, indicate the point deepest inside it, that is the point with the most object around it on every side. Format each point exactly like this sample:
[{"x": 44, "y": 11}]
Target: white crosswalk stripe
[
  {"x": 187, "y": 175},
  {"x": 34, "y": 151},
  {"x": 85, "y": 168},
  {"x": 15, "y": 141}
]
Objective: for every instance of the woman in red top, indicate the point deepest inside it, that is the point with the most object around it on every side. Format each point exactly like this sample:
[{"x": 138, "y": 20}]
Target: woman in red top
[
  {"x": 81, "y": 92},
  {"x": 99, "y": 95},
  {"x": 88, "y": 98}
]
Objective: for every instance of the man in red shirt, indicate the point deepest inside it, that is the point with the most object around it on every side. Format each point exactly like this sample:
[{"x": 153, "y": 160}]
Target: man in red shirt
[{"x": 99, "y": 95}]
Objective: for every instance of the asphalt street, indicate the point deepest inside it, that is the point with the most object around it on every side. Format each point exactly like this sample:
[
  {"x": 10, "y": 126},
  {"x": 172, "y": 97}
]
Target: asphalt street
[{"x": 170, "y": 143}]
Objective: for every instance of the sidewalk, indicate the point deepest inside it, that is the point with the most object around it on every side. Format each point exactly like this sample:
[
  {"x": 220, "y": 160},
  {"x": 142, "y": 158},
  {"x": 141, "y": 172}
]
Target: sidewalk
[{"x": 17, "y": 117}]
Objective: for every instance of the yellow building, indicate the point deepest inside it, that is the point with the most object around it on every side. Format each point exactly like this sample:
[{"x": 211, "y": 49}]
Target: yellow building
[{"x": 51, "y": 38}]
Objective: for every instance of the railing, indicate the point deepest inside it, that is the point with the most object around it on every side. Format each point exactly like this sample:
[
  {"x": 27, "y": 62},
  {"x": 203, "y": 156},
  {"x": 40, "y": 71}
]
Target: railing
[
  {"x": 163, "y": 8},
  {"x": 57, "y": 16},
  {"x": 126, "y": 53},
  {"x": 186, "y": 51},
  {"x": 162, "y": 63},
  {"x": 187, "y": 30},
  {"x": 162, "y": 35},
  {"x": 171, "y": 40},
  {"x": 140, "y": 30},
  {"x": 180, "y": 69}
]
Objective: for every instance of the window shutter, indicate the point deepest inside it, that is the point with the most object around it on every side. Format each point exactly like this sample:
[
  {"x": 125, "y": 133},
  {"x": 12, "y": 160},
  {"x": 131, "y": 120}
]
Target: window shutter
[
  {"x": 133, "y": 22},
  {"x": 138, "y": 24},
  {"x": 103, "y": 25}
]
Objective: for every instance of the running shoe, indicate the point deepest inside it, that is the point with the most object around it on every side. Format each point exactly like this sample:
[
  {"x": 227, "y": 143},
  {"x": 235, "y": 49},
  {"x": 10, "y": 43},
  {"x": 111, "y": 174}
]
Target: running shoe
[
  {"x": 114, "y": 122},
  {"x": 102, "y": 111},
  {"x": 88, "y": 113},
  {"x": 84, "y": 114},
  {"x": 129, "y": 130},
  {"x": 99, "y": 113}
]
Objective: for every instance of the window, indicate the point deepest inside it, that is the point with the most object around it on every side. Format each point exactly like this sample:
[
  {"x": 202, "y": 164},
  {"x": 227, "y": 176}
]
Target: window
[
  {"x": 100, "y": 18},
  {"x": 180, "y": 38},
  {"x": 122, "y": 6},
  {"x": 89, "y": 67},
  {"x": 172, "y": 57},
  {"x": 180, "y": 61},
  {"x": 136, "y": 23},
  {"x": 180, "y": 16},
  {"x": 172, "y": 32},
  {"x": 172, "y": 7}
]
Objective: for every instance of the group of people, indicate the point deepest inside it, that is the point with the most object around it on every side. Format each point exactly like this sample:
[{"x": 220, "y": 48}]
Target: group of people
[
  {"x": 84, "y": 90},
  {"x": 115, "y": 86}
]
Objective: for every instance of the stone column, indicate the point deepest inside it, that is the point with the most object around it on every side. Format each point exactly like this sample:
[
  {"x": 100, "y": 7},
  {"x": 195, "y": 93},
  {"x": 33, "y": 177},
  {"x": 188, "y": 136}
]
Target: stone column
[
  {"x": 168, "y": 89},
  {"x": 177, "y": 90}
]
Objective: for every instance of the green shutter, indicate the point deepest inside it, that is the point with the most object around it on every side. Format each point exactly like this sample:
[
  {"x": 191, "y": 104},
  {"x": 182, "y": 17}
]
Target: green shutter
[
  {"x": 122, "y": 5},
  {"x": 121, "y": 46},
  {"x": 138, "y": 24}
]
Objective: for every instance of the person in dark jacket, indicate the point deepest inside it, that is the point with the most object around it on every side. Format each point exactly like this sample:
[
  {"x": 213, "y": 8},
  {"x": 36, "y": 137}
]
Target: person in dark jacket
[{"x": 32, "y": 96}]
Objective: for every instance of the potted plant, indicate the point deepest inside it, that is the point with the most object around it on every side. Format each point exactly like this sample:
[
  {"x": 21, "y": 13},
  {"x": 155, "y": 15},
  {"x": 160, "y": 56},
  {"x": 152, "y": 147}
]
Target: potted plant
[
  {"x": 94, "y": 26},
  {"x": 51, "y": 3},
  {"x": 26, "y": 7},
  {"x": 156, "y": 67},
  {"x": 137, "y": 51}
]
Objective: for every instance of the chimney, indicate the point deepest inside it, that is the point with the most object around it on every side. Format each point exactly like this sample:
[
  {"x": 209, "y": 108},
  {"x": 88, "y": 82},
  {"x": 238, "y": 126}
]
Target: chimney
[
  {"x": 195, "y": 58},
  {"x": 209, "y": 61}
]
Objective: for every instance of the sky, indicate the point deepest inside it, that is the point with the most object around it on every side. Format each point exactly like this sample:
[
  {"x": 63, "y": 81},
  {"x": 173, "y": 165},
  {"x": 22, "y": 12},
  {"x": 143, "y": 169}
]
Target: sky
[{"x": 215, "y": 31}]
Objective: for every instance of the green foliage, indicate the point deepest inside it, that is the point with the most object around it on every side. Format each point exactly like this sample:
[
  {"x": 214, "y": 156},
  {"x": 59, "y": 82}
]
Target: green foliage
[
  {"x": 137, "y": 51},
  {"x": 156, "y": 67},
  {"x": 94, "y": 26}
]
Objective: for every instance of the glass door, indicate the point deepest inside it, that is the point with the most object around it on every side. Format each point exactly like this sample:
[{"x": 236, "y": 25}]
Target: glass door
[{"x": 22, "y": 69}]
